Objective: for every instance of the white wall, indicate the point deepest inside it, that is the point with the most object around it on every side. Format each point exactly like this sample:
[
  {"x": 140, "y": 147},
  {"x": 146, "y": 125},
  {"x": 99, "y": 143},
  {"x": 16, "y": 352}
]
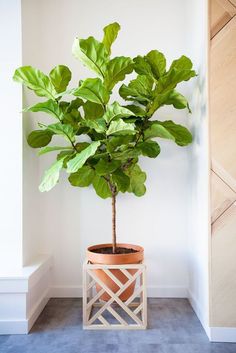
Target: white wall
[
  {"x": 199, "y": 233},
  {"x": 70, "y": 219},
  {"x": 10, "y": 139}
]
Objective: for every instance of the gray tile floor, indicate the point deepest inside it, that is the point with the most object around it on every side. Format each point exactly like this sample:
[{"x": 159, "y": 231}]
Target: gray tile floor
[{"x": 173, "y": 328}]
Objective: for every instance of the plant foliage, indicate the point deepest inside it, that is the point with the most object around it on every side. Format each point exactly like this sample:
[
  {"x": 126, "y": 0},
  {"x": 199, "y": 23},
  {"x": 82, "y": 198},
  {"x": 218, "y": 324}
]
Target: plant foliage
[{"x": 118, "y": 134}]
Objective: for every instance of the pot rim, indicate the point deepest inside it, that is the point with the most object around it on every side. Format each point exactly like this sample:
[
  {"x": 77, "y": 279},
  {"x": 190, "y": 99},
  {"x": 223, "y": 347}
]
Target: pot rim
[{"x": 138, "y": 248}]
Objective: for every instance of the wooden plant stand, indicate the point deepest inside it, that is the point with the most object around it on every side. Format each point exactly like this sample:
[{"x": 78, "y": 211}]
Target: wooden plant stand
[{"x": 114, "y": 313}]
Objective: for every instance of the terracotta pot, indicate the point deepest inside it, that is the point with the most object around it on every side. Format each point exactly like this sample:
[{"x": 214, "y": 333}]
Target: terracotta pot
[{"x": 115, "y": 259}]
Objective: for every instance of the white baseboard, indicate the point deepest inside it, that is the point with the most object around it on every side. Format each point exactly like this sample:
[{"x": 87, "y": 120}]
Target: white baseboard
[
  {"x": 38, "y": 308},
  {"x": 23, "y": 296},
  {"x": 167, "y": 292},
  {"x": 198, "y": 311},
  {"x": 153, "y": 291},
  {"x": 8, "y": 327},
  {"x": 223, "y": 334}
]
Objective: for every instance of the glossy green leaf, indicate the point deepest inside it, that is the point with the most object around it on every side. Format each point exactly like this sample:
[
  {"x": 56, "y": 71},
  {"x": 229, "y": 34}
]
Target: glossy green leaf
[
  {"x": 120, "y": 127},
  {"x": 149, "y": 148},
  {"x": 127, "y": 153},
  {"x": 53, "y": 148},
  {"x": 104, "y": 167},
  {"x": 93, "y": 90},
  {"x": 157, "y": 130},
  {"x": 121, "y": 180},
  {"x": 98, "y": 125},
  {"x": 157, "y": 62},
  {"x": 115, "y": 110},
  {"x": 50, "y": 107},
  {"x": 36, "y": 80},
  {"x": 80, "y": 146},
  {"x": 110, "y": 35},
  {"x": 101, "y": 187},
  {"x": 91, "y": 53},
  {"x": 51, "y": 176},
  {"x": 172, "y": 78},
  {"x": 181, "y": 134},
  {"x": 183, "y": 63},
  {"x": 116, "y": 71},
  {"x": 60, "y": 77},
  {"x": 39, "y": 138},
  {"x": 177, "y": 100},
  {"x": 141, "y": 66},
  {"x": 138, "y": 111},
  {"x": 83, "y": 177},
  {"x": 78, "y": 161},
  {"x": 159, "y": 100},
  {"x": 92, "y": 110},
  {"x": 65, "y": 130},
  {"x": 139, "y": 89},
  {"x": 137, "y": 179},
  {"x": 118, "y": 141}
]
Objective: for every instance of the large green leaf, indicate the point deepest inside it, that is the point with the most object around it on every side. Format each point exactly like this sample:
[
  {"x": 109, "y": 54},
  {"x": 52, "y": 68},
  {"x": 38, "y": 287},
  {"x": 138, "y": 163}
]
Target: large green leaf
[
  {"x": 101, "y": 187},
  {"x": 139, "y": 89},
  {"x": 116, "y": 71},
  {"x": 65, "y": 130},
  {"x": 98, "y": 125},
  {"x": 174, "y": 76},
  {"x": 121, "y": 180},
  {"x": 91, "y": 53},
  {"x": 50, "y": 107},
  {"x": 181, "y": 134},
  {"x": 157, "y": 130},
  {"x": 39, "y": 138},
  {"x": 80, "y": 146},
  {"x": 36, "y": 80},
  {"x": 83, "y": 177},
  {"x": 60, "y": 77},
  {"x": 183, "y": 63},
  {"x": 110, "y": 35},
  {"x": 149, "y": 148},
  {"x": 177, "y": 100},
  {"x": 93, "y": 90},
  {"x": 54, "y": 148},
  {"x": 78, "y": 161},
  {"x": 118, "y": 141},
  {"x": 92, "y": 110},
  {"x": 51, "y": 176},
  {"x": 119, "y": 127},
  {"x": 104, "y": 167},
  {"x": 115, "y": 110},
  {"x": 137, "y": 179},
  {"x": 142, "y": 67},
  {"x": 138, "y": 111},
  {"x": 157, "y": 62}
]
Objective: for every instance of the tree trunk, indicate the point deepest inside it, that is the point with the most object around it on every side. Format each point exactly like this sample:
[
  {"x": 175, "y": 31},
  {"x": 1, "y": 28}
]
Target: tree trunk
[{"x": 114, "y": 222}]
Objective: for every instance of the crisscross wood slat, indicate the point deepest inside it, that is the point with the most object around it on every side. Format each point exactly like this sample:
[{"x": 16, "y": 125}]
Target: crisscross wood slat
[{"x": 91, "y": 298}]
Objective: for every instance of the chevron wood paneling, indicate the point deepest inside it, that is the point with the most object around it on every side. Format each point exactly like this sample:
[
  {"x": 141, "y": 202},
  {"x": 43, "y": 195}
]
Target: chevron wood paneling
[
  {"x": 222, "y": 196},
  {"x": 223, "y": 153},
  {"x": 221, "y": 12}
]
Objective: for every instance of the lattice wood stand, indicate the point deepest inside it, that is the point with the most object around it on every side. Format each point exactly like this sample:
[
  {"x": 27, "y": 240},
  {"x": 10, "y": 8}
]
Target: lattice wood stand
[{"x": 114, "y": 313}]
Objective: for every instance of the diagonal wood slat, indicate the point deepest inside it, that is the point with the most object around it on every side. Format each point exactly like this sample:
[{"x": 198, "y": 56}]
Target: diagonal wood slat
[
  {"x": 113, "y": 277},
  {"x": 91, "y": 297},
  {"x": 115, "y": 296}
]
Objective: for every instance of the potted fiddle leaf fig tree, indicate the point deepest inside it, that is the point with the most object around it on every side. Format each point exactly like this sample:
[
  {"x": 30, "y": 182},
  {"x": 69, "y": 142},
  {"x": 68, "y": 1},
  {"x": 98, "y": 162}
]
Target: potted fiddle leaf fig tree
[{"x": 118, "y": 132}]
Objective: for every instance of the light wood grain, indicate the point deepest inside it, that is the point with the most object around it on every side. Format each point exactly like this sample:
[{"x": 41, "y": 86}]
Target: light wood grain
[
  {"x": 223, "y": 278},
  {"x": 222, "y": 196},
  {"x": 221, "y": 12},
  {"x": 223, "y": 101},
  {"x": 91, "y": 298},
  {"x": 233, "y": 2}
]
